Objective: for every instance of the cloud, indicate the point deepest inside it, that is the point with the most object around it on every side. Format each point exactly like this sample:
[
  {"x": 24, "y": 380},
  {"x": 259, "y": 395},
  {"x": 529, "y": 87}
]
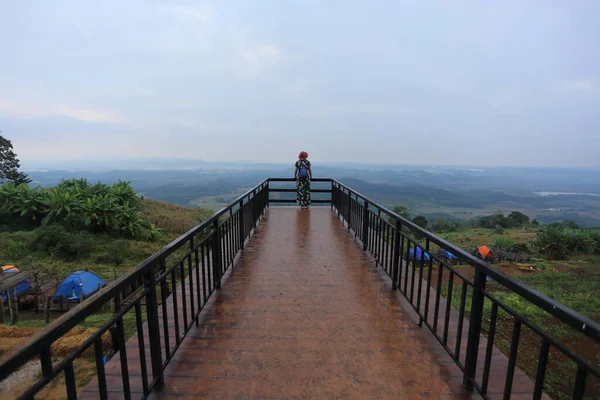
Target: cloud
[
  {"x": 190, "y": 13},
  {"x": 28, "y": 110},
  {"x": 584, "y": 85},
  {"x": 260, "y": 57}
]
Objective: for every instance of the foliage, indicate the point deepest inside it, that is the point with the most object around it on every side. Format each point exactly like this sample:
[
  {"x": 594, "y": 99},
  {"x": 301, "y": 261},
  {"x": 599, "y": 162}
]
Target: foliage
[
  {"x": 421, "y": 221},
  {"x": 558, "y": 243},
  {"x": 519, "y": 218},
  {"x": 565, "y": 225},
  {"x": 77, "y": 205},
  {"x": 495, "y": 220},
  {"x": 172, "y": 218},
  {"x": 56, "y": 240},
  {"x": 9, "y": 164},
  {"x": 114, "y": 255},
  {"x": 402, "y": 211},
  {"x": 504, "y": 243},
  {"x": 441, "y": 225}
]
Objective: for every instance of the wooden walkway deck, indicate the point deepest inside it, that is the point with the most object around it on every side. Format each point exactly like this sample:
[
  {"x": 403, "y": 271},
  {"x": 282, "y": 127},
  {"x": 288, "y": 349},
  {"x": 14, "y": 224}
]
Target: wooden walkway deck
[{"x": 305, "y": 313}]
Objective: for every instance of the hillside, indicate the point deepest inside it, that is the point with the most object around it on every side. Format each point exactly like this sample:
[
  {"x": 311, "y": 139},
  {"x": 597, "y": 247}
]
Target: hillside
[{"x": 109, "y": 255}]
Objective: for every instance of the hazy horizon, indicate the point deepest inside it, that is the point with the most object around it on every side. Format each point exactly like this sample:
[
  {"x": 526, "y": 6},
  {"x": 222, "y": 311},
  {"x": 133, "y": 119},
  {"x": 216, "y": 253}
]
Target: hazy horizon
[
  {"x": 461, "y": 83},
  {"x": 144, "y": 163}
]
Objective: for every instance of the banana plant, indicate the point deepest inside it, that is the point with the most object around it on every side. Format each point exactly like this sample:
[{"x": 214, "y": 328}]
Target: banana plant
[
  {"x": 130, "y": 221},
  {"x": 58, "y": 204},
  {"x": 29, "y": 203}
]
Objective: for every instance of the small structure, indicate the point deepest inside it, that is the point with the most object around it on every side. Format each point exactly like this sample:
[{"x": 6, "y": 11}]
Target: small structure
[
  {"x": 484, "y": 252},
  {"x": 78, "y": 285},
  {"x": 421, "y": 255},
  {"x": 21, "y": 287},
  {"x": 447, "y": 256}
]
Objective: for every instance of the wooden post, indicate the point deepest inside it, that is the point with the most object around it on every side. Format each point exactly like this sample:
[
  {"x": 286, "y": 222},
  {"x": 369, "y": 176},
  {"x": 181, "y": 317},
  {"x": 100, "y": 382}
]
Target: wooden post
[
  {"x": 38, "y": 290},
  {"x": 1, "y": 311},
  {"x": 47, "y": 309},
  {"x": 14, "y": 312},
  {"x": 60, "y": 303}
]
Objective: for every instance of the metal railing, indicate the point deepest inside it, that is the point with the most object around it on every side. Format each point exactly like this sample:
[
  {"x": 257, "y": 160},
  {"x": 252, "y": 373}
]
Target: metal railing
[
  {"x": 392, "y": 240},
  {"x": 175, "y": 285},
  {"x": 181, "y": 277}
]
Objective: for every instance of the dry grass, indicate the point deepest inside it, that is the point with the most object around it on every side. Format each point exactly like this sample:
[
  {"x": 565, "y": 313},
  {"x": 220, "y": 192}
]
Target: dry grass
[
  {"x": 170, "y": 217},
  {"x": 12, "y": 336}
]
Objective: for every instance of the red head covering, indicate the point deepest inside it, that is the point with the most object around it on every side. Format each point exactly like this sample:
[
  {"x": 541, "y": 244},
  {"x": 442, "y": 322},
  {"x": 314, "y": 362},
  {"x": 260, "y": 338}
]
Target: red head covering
[{"x": 303, "y": 155}]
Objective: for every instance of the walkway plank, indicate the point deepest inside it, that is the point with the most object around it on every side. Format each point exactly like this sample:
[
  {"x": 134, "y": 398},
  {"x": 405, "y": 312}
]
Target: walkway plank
[{"x": 304, "y": 314}]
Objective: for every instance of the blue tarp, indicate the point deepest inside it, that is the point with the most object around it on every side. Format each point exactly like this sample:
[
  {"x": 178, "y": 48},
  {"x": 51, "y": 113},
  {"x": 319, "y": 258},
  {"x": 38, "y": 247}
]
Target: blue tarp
[
  {"x": 419, "y": 254},
  {"x": 21, "y": 287},
  {"x": 78, "y": 283},
  {"x": 446, "y": 253}
]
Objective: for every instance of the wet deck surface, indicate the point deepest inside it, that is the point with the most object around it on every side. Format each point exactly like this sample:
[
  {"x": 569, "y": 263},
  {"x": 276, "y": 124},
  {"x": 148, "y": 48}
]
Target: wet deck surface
[{"x": 305, "y": 315}]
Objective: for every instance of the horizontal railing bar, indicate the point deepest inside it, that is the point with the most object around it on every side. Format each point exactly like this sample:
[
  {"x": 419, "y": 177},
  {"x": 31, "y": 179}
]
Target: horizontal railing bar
[
  {"x": 293, "y": 201},
  {"x": 571, "y": 317},
  {"x": 276, "y": 190},
  {"x": 294, "y": 179}
]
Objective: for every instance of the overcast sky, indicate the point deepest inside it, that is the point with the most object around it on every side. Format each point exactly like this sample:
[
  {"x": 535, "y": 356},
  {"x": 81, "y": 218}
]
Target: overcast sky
[{"x": 511, "y": 82}]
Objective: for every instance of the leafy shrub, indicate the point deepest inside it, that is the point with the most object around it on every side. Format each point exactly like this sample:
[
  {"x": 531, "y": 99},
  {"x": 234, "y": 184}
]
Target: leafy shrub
[
  {"x": 441, "y": 225},
  {"x": 519, "y": 218},
  {"x": 114, "y": 255},
  {"x": 75, "y": 204},
  {"x": 495, "y": 220},
  {"x": 421, "y": 221},
  {"x": 504, "y": 243},
  {"x": 509, "y": 244},
  {"x": 55, "y": 239},
  {"x": 498, "y": 230},
  {"x": 580, "y": 241},
  {"x": 552, "y": 242}
]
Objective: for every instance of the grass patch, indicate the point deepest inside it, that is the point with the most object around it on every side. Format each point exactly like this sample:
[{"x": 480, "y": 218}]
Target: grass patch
[{"x": 575, "y": 285}]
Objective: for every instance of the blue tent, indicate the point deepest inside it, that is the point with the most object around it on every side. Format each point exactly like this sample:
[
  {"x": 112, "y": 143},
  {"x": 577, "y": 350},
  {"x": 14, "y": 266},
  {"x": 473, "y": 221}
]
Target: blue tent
[
  {"x": 446, "y": 253},
  {"x": 20, "y": 288},
  {"x": 78, "y": 283},
  {"x": 419, "y": 254}
]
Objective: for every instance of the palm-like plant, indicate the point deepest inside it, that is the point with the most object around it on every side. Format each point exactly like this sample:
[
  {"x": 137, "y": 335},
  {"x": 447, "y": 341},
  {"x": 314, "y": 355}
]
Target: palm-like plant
[
  {"x": 29, "y": 203},
  {"x": 58, "y": 204},
  {"x": 130, "y": 221}
]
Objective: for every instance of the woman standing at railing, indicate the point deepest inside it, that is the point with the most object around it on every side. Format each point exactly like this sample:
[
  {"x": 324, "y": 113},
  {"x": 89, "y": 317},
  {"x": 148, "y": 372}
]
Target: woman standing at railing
[{"x": 303, "y": 175}]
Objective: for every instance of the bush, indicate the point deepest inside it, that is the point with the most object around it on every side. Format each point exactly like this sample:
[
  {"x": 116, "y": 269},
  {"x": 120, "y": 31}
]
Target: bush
[
  {"x": 421, "y": 221},
  {"x": 76, "y": 205},
  {"x": 115, "y": 254},
  {"x": 580, "y": 241},
  {"x": 55, "y": 239},
  {"x": 495, "y": 220},
  {"x": 504, "y": 243},
  {"x": 552, "y": 242},
  {"x": 509, "y": 244},
  {"x": 441, "y": 225}
]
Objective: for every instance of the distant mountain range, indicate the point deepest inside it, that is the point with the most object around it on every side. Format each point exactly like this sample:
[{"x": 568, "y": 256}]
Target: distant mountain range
[{"x": 451, "y": 191}]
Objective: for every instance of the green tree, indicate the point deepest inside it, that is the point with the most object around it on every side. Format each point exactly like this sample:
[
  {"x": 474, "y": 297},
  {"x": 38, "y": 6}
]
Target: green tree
[
  {"x": 402, "y": 211},
  {"x": 9, "y": 164},
  {"x": 421, "y": 221},
  {"x": 519, "y": 217}
]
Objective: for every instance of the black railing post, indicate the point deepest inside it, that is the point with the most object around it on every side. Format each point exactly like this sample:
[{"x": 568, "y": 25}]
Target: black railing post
[
  {"x": 331, "y": 196},
  {"x": 254, "y": 209},
  {"x": 349, "y": 207},
  {"x": 241, "y": 222},
  {"x": 365, "y": 227},
  {"x": 474, "y": 328},
  {"x": 267, "y": 194},
  {"x": 397, "y": 251},
  {"x": 153, "y": 329},
  {"x": 216, "y": 253}
]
